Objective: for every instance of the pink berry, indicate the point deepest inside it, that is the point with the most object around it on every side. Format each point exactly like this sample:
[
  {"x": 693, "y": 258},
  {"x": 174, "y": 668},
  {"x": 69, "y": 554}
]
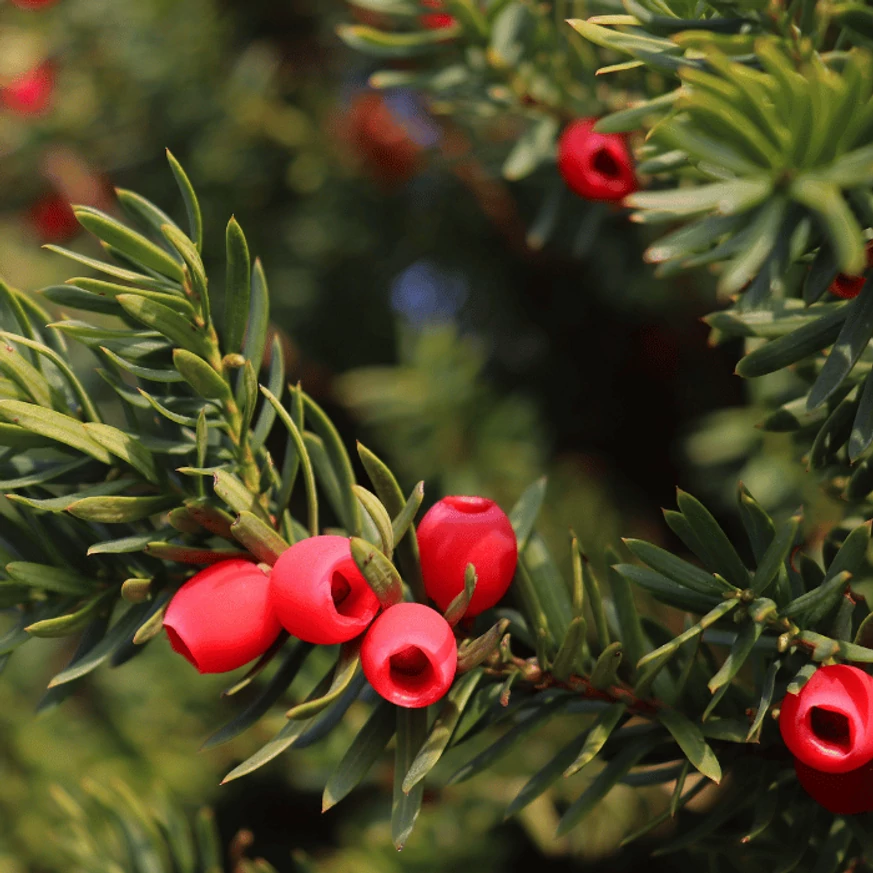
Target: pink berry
[
  {"x": 30, "y": 93},
  {"x": 596, "y": 166},
  {"x": 221, "y": 618},
  {"x": 458, "y": 531},
  {"x": 839, "y": 793},
  {"x": 409, "y": 655},
  {"x": 318, "y": 591},
  {"x": 828, "y": 725}
]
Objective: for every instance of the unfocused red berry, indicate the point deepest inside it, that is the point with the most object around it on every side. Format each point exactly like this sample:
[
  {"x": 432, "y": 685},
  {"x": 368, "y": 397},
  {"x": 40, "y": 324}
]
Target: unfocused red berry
[
  {"x": 436, "y": 20},
  {"x": 839, "y": 793},
  {"x": 53, "y": 219},
  {"x": 596, "y": 166},
  {"x": 318, "y": 591},
  {"x": 381, "y": 143},
  {"x": 458, "y": 531},
  {"x": 221, "y": 618},
  {"x": 409, "y": 655},
  {"x": 32, "y": 4},
  {"x": 828, "y": 725},
  {"x": 848, "y": 287},
  {"x": 30, "y": 93}
]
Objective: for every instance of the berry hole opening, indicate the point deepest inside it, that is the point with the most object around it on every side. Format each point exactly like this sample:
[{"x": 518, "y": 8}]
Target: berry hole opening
[
  {"x": 343, "y": 595},
  {"x": 831, "y": 728},
  {"x": 605, "y": 163},
  {"x": 410, "y": 669},
  {"x": 469, "y": 505}
]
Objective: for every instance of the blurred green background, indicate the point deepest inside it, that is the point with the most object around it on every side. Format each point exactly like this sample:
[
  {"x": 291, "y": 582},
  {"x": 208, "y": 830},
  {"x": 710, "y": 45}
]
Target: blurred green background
[{"x": 412, "y": 305}]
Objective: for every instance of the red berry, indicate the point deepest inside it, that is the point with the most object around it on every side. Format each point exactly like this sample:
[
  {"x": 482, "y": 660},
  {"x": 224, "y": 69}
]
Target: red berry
[
  {"x": 848, "y": 287},
  {"x": 436, "y": 20},
  {"x": 318, "y": 591},
  {"x": 382, "y": 144},
  {"x": 596, "y": 166},
  {"x": 839, "y": 793},
  {"x": 409, "y": 655},
  {"x": 30, "y": 93},
  {"x": 458, "y": 531},
  {"x": 221, "y": 618},
  {"x": 32, "y": 4},
  {"x": 829, "y": 724},
  {"x": 53, "y": 219}
]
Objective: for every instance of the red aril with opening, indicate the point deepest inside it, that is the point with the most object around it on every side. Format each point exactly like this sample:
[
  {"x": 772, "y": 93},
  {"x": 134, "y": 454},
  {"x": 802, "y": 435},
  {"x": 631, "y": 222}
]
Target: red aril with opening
[
  {"x": 221, "y": 618},
  {"x": 409, "y": 655},
  {"x": 318, "y": 591},
  {"x": 828, "y": 725},
  {"x": 596, "y": 166}
]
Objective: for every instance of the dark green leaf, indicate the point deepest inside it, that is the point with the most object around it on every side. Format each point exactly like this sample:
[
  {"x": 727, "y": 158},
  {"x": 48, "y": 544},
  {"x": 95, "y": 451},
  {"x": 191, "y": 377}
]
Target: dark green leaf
[
  {"x": 238, "y": 287},
  {"x": 793, "y": 347},
  {"x": 347, "y": 667},
  {"x": 366, "y": 748},
  {"x": 441, "y": 733},
  {"x": 524, "y": 514},
  {"x": 774, "y": 557},
  {"x": 54, "y": 426},
  {"x": 596, "y": 737},
  {"x": 258, "y": 537},
  {"x": 272, "y": 691},
  {"x": 192, "y": 206},
  {"x": 117, "y": 510},
  {"x": 118, "y": 634},
  {"x": 691, "y": 741},
  {"x": 127, "y": 241},
  {"x": 411, "y": 735},
  {"x": 853, "y": 338},
  {"x": 380, "y": 573},
  {"x": 605, "y": 780}
]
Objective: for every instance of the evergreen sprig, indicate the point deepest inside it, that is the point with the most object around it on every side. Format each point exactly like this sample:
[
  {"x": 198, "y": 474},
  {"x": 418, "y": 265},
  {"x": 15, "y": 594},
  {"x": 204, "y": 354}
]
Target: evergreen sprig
[{"x": 102, "y": 524}]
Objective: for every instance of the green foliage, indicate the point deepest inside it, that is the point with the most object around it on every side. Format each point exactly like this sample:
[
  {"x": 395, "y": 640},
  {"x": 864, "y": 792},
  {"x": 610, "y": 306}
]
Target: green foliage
[
  {"x": 106, "y": 514},
  {"x": 112, "y": 828}
]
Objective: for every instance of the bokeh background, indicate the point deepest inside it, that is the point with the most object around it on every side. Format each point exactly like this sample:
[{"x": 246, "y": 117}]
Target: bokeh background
[{"x": 419, "y": 300}]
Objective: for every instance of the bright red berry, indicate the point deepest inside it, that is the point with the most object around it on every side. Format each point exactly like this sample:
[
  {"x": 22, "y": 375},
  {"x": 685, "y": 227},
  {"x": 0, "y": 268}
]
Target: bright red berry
[
  {"x": 436, "y": 20},
  {"x": 596, "y": 166},
  {"x": 839, "y": 793},
  {"x": 828, "y": 725},
  {"x": 409, "y": 655},
  {"x": 221, "y": 618},
  {"x": 848, "y": 287},
  {"x": 458, "y": 531},
  {"x": 31, "y": 92},
  {"x": 318, "y": 591}
]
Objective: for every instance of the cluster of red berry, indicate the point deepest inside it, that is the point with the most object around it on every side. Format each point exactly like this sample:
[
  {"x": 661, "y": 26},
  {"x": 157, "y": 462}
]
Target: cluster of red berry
[
  {"x": 828, "y": 727},
  {"x": 232, "y": 612}
]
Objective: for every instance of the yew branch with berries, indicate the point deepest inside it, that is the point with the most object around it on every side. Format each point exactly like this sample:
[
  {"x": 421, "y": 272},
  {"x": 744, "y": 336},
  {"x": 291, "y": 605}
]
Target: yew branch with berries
[{"x": 747, "y": 128}]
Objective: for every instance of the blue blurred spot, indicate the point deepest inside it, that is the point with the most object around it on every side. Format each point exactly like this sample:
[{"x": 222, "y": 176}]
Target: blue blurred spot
[{"x": 426, "y": 292}]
